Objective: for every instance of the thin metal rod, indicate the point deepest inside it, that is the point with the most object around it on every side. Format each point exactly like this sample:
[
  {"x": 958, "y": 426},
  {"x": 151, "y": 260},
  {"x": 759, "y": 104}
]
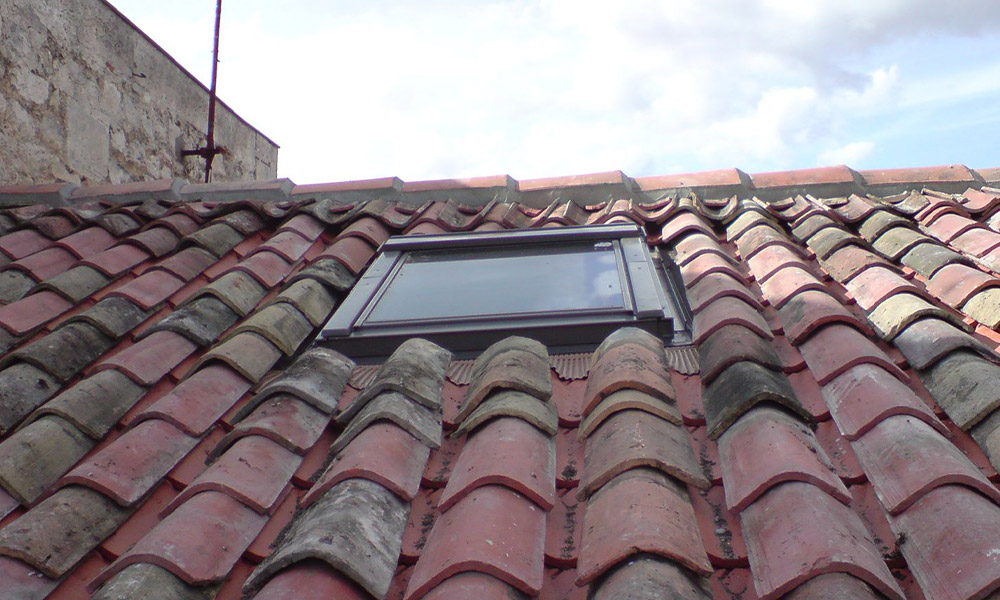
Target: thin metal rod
[{"x": 210, "y": 146}]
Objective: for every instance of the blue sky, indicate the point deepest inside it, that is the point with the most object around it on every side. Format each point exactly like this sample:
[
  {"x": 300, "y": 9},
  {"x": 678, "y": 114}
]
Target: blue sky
[{"x": 446, "y": 88}]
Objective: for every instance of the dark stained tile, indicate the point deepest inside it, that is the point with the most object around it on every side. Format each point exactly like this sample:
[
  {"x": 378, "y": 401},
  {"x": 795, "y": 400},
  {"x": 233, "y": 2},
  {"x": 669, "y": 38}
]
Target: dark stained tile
[
  {"x": 829, "y": 240},
  {"x": 416, "y": 369},
  {"x": 660, "y": 521},
  {"x": 65, "y": 352},
  {"x": 760, "y": 237},
  {"x": 508, "y": 452},
  {"x": 318, "y": 377},
  {"x": 965, "y": 385},
  {"x": 881, "y": 221},
  {"x": 926, "y": 341},
  {"x": 475, "y": 536},
  {"x": 896, "y": 242},
  {"x": 796, "y": 532},
  {"x": 352, "y": 252},
  {"x": 329, "y": 272},
  {"x": 95, "y": 404},
  {"x": 423, "y": 515},
  {"x": 865, "y": 395},
  {"x": 732, "y": 344},
  {"x": 114, "y": 317},
  {"x": 157, "y": 241},
  {"x": 59, "y": 531},
  {"x": 927, "y": 259},
  {"x": 34, "y": 457},
  {"x": 356, "y": 528},
  {"x": 23, "y": 388},
  {"x": 202, "y": 321},
  {"x": 382, "y": 453},
  {"x": 310, "y": 298},
  {"x": 310, "y": 580},
  {"x": 741, "y": 387},
  {"x": 794, "y": 455},
  {"x": 635, "y": 438},
  {"x": 217, "y": 238},
  {"x": 563, "y": 527},
  {"x": 511, "y": 403},
  {"x": 76, "y": 284},
  {"x": 898, "y": 311},
  {"x": 141, "y": 579}
]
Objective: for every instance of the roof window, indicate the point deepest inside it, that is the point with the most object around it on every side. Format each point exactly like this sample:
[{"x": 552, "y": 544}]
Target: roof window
[{"x": 566, "y": 287}]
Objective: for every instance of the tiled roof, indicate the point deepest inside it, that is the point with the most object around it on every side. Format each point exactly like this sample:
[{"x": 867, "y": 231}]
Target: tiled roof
[{"x": 169, "y": 431}]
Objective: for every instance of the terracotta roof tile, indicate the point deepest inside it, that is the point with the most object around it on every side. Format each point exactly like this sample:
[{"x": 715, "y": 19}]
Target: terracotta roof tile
[
  {"x": 660, "y": 520},
  {"x": 635, "y": 438},
  {"x": 509, "y": 452},
  {"x": 356, "y": 527},
  {"x": 800, "y": 520},
  {"x": 229, "y": 258},
  {"x": 475, "y": 536}
]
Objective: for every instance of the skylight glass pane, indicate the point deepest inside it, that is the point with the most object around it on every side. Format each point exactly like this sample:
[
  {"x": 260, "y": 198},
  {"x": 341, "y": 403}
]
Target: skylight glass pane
[{"x": 443, "y": 284}]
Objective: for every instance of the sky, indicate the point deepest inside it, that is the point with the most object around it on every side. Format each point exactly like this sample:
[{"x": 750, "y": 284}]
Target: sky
[{"x": 430, "y": 89}]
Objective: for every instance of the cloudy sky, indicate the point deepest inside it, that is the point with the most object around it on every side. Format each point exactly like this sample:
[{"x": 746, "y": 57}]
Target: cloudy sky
[{"x": 427, "y": 89}]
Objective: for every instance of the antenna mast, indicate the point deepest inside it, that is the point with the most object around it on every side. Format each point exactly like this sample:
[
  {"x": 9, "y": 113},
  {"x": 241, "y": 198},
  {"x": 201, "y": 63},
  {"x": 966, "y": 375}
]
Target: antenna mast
[{"x": 211, "y": 150}]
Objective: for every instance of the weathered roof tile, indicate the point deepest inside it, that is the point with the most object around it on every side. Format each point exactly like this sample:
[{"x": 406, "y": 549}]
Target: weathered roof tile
[
  {"x": 835, "y": 348},
  {"x": 141, "y": 579},
  {"x": 796, "y": 456},
  {"x": 23, "y": 388},
  {"x": 217, "y": 238},
  {"x": 34, "y": 457},
  {"x": 66, "y": 351},
  {"x": 310, "y": 298},
  {"x": 151, "y": 358},
  {"x": 511, "y": 403},
  {"x": 95, "y": 404},
  {"x": 863, "y": 396},
  {"x": 76, "y": 284},
  {"x": 356, "y": 527},
  {"x": 732, "y": 344},
  {"x": 57, "y": 533},
  {"x": 282, "y": 324},
  {"x": 198, "y": 401},
  {"x": 248, "y": 353},
  {"x": 416, "y": 369},
  {"x": 202, "y": 320},
  {"x": 741, "y": 387},
  {"x": 965, "y": 385}
]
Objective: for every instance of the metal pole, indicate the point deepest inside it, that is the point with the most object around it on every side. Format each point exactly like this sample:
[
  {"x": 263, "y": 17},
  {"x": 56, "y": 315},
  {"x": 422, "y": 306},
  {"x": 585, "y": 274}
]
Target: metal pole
[{"x": 210, "y": 146}]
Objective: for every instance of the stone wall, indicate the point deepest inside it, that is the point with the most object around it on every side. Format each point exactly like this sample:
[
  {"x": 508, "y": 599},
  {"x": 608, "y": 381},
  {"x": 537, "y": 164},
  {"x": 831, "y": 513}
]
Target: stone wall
[{"x": 86, "y": 97}]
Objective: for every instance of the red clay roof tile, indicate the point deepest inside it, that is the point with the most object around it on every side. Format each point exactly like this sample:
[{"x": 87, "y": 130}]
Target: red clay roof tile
[
  {"x": 294, "y": 424},
  {"x": 799, "y": 520},
  {"x": 25, "y": 242},
  {"x": 795, "y": 456},
  {"x": 835, "y": 348},
  {"x": 720, "y": 528},
  {"x": 199, "y": 542},
  {"x": 509, "y": 452},
  {"x": 660, "y": 520},
  {"x": 310, "y": 580},
  {"x": 476, "y": 535},
  {"x": 382, "y": 453}
]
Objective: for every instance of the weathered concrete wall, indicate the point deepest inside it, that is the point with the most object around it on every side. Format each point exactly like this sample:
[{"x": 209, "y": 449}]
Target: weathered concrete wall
[{"x": 86, "y": 97}]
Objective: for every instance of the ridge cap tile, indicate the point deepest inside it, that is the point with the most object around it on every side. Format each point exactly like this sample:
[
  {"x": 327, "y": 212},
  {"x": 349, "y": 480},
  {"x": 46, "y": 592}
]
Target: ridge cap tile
[
  {"x": 356, "y": 528},
  {"x": 796, "y": 532},
  {"x": 383, "y": 453},
  {"x": 199, "y": 542},
  {"x": 793, "y": 454},
  {"x": 476, "y": 535},
  {"x": 506, "y": 452}
]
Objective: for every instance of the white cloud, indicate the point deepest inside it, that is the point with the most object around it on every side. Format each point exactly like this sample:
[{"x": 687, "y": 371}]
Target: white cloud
[
  {"x": 541, "y": 87},
  {"x": 849, "y": 154}
]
